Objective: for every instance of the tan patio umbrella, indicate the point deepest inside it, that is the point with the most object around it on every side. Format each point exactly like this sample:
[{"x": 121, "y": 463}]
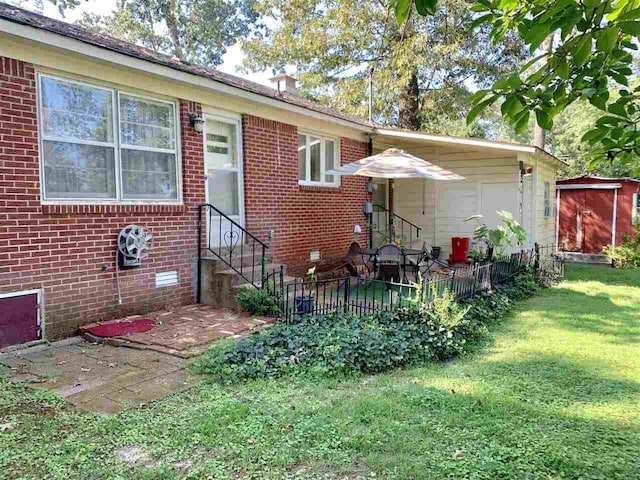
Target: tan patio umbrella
[{"x": 395, "y": 163}]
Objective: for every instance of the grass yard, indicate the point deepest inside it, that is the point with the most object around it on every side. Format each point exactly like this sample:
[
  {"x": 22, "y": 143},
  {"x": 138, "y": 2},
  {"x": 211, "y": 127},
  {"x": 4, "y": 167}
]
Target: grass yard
[{"x": 554, "y": 393}]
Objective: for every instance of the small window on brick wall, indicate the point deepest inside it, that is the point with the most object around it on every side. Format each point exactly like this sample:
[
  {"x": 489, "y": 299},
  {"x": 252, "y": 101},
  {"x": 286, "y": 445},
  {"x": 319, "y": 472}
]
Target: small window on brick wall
[
  {"x": 101, "y": 144},
  {"x": 316, "y": 156}
]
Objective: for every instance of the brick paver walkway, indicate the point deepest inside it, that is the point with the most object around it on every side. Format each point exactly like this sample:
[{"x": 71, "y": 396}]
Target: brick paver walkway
[
  {"x": 98, "y": 378},
  {"x": 187, "y": 331},
  {"x": 106, "y": 379}
]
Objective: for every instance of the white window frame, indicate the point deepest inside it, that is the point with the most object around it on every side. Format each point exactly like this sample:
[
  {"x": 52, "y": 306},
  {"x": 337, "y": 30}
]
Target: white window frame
[
  {"x": 116, "y": 145},
  {"x": 548, "y": 204},
  {"x": 336, "y": 160},
  {"x": 635, "y": 209}
]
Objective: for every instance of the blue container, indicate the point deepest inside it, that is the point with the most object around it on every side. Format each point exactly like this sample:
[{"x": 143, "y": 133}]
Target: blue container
[{"x": 305, "y": 304}]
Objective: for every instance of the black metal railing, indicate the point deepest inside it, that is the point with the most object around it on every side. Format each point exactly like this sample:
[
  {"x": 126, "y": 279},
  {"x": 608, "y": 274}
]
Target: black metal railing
[
  {"x": 363, "y": 295},
  {"x": 389, "y": 227},
  {"x": 232, "y": 244}
]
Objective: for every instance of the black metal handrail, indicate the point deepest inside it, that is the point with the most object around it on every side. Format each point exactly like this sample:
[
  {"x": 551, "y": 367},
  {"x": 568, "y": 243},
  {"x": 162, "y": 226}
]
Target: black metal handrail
[
  {"x": 391, "y": 221},
  {"x": 235, "y": 246}
]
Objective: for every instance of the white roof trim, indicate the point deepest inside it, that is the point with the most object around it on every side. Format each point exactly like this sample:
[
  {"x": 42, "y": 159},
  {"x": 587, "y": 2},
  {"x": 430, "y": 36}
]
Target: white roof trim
[
  {"x": 471, "y": 142},
  {"x": 592, "y": 177},
  {"x": 76, "y": 46},
  {"x": 589, "y": 186}
]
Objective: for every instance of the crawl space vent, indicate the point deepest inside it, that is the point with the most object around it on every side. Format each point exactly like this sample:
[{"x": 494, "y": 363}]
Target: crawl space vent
[{"x": 166, "y": 279}]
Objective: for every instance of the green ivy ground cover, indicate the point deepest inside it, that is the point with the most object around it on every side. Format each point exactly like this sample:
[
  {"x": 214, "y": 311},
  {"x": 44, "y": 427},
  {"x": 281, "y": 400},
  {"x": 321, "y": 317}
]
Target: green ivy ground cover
[
  {"x": 344, "y": 343},
  {"x": 553, "y": 393}
]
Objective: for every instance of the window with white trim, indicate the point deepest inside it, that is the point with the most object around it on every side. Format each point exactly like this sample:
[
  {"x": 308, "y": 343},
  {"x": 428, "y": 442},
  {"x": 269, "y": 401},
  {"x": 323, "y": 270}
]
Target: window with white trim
[
  {"x": 100, "y": 144},
  {"x": 635, "y": 212},
  {"x": 548, "y": 208},
  {"x": 316, "y": 156}
]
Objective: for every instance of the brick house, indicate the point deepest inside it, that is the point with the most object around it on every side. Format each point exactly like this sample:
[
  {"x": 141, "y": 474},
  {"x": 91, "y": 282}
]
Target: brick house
[{"x": 97, "y": 134}]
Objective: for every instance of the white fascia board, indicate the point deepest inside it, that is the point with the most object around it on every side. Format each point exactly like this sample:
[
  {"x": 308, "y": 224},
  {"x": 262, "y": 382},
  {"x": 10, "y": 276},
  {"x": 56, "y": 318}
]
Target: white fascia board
[
  {"x": 52, "y": 39},
  {"x": 589, "y": 186},
  {"x": 472, "y": 142}
]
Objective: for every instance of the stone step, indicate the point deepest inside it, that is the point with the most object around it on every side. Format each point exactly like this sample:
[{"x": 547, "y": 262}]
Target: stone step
[
  {"x": 249, "y": 274},
  {"x": 247, "y": 259},
  {"x": 286, "y": 279},
  {"x": 587, "y": 258}
]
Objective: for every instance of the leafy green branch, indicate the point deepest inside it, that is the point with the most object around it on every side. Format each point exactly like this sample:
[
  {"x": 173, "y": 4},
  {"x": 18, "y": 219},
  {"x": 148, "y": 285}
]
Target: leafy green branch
[{"x": 589, "y": 51}]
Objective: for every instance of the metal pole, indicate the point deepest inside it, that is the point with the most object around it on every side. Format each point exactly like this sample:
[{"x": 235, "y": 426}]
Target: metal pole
[
  {"x": 263, "y": 268},
  {"x": 199, "y": 267},
  {"x": 371, "y": 95}
]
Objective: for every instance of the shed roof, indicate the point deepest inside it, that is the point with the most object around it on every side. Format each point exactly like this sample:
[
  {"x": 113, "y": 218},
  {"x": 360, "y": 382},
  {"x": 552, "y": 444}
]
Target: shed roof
[{"x": 599, "y": 179}]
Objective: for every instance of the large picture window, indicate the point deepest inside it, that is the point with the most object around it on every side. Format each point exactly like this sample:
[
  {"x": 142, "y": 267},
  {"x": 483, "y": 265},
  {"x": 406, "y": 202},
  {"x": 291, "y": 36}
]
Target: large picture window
[
  {"x": 101, "y": 144},
  {"x": 316, "y": 156}
]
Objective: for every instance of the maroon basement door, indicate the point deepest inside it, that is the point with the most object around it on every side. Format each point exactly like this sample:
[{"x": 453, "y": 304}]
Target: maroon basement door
[{"x": 19, "y": 319}]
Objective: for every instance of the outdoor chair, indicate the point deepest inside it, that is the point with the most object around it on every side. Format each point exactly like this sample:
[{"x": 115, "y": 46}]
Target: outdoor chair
[
  {"x": 389, "y": 261},
  {"x": 355, "y": 263},
  {"x": 428, "y": 263}
]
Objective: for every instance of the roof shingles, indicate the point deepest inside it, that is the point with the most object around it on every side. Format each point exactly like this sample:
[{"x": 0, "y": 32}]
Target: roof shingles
[{"x": 24, "y": 17}]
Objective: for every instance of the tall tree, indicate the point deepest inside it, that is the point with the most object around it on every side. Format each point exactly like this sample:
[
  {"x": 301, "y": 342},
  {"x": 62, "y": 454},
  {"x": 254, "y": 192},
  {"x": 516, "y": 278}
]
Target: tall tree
[
  {"x": 38, "y": 5},
  {"x": 196, "y": 31},
  {"x": 422, "y": 70},
  {"x": 594, "y": 52}
]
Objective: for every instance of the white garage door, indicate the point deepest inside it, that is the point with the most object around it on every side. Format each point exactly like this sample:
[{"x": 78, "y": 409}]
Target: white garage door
[{"x": 498, "y": 196}]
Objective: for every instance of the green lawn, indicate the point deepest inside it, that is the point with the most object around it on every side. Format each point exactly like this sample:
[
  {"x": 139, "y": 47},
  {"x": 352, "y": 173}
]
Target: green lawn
[{"x": 554, "y": 393}]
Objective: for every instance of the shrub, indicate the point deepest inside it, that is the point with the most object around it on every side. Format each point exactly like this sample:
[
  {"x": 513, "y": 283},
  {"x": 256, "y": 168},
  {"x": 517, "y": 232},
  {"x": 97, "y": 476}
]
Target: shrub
[
  {"x": 259, "y": 302},
  {"x": 627, "y": 254},
  {"x": 342, "y": 343}
]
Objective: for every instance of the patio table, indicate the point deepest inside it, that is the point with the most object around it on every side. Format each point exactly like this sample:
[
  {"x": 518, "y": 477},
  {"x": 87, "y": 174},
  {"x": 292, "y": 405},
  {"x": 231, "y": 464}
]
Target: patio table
[{"x": 406, "y": 252}]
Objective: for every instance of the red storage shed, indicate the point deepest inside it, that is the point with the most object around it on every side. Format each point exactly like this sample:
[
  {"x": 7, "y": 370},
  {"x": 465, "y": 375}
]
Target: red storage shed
[{"x": 595, "y": 212}]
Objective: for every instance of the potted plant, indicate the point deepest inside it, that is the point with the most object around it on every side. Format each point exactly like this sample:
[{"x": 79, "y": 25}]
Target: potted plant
[
  {"x": 498, "y": 240},
  {"x": 306, "y": 303}
]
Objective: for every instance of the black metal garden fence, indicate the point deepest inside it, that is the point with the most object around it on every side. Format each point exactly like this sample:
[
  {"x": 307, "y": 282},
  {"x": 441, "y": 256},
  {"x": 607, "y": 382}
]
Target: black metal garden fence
[{"x": 364, "y": 295}]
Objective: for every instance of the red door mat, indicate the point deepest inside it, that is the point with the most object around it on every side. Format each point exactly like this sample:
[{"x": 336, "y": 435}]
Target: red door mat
[{"x": 117, "y": 328}]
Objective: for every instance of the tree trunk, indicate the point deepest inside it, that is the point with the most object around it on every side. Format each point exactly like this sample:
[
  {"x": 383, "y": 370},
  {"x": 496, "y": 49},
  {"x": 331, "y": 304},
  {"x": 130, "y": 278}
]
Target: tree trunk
[
  {"x": 168, "y": 9},
  {"x": 539, "y": 134},
  {"x": 408, "y": 105}
]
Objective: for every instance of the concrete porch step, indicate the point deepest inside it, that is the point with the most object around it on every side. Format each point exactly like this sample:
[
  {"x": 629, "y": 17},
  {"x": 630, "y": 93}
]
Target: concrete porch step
[
  {"x": 587, "y": 258},
  {"x": 247, "y": 258},
  {"x": 286, "y": 280},
  {"x": 248, "y": 274}
]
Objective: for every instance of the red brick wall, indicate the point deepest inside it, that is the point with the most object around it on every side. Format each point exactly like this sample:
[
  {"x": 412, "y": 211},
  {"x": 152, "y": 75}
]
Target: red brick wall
[
  {"x": 63, "y": 249},
  {"x": 302, "y": 218},
  {"x": 69, "y": 250}
]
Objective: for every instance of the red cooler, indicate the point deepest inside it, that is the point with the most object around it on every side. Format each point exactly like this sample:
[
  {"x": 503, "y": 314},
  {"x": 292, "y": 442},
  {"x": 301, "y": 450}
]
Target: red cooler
[{"x": 459, "y": 249}]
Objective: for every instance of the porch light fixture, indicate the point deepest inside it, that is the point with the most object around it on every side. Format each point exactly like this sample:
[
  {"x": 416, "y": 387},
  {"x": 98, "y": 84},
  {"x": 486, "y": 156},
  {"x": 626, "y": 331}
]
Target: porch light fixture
[
  {"x": 372, "y": 186},
  {"x": 197, "y": 122},
  {"x": 525, "y": 171}
]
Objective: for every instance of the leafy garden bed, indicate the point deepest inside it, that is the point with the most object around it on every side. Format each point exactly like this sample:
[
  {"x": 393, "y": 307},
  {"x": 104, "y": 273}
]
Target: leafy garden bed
[{"x": 343, "y": 343}]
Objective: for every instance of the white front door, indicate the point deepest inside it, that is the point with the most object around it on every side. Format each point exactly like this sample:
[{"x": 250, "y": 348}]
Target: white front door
[{"x": 223, "y": 174}]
